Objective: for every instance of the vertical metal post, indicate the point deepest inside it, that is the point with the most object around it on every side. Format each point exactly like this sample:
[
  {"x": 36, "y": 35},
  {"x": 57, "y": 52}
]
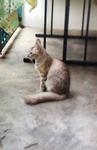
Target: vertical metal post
[
  {"x": 52, "y": 12},
  {"x": 66, "y": 23},
  {"x": 87, "y": 30},
  {"x": 83, "y": 17},
  {"x": 45, "y": 22}
]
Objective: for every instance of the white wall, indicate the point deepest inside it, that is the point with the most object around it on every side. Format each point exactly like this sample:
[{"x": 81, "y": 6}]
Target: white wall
[{"x": 36, "y": 16}]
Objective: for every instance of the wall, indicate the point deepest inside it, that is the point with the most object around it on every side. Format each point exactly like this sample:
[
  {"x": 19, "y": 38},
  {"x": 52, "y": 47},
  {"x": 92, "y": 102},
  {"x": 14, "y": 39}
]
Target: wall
[{"x": 35, "y": 17}]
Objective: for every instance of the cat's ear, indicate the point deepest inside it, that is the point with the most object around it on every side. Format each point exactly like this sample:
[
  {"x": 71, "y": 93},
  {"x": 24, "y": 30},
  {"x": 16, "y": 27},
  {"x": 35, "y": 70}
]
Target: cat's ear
[
  {"x": 38, "y": 41},
  {"x": 38, "y": 45}
]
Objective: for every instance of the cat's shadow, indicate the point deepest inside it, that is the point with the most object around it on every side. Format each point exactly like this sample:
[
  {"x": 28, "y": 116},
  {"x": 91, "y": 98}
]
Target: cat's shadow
[{"x": 72, "y": 95}]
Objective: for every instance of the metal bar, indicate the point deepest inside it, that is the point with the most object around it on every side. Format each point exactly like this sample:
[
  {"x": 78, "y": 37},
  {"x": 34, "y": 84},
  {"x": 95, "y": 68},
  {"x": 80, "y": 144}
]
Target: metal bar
[
  {"x": 87, "y": 30},
  {"x": 45, "y": 22},
  {"x": 87, "y": 63},
  {"x": 52, "y": 12},
  {"x": 83, "y": 17},
  {"x": 69, "y": 36},
  {"x": 66, "y": 23}
]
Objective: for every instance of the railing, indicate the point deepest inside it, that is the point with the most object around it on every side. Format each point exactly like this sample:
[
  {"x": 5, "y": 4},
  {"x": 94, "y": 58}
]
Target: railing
[{"x": 83, "y": 36}]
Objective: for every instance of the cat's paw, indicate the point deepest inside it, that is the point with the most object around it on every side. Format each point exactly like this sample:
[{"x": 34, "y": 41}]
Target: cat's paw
[{"x": 29, "y": 100}]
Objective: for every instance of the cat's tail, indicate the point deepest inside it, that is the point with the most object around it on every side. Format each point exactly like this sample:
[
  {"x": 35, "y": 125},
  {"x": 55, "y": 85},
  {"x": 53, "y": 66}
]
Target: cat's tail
[{"x": 43, "y": 97}]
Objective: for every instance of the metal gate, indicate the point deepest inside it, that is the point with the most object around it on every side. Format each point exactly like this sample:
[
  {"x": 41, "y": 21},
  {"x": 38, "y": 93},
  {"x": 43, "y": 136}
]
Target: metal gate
[{"x": 86, "y": 37}]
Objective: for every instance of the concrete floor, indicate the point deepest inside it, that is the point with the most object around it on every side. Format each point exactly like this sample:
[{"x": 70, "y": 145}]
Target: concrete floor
[{"x": 66, "y": 125}]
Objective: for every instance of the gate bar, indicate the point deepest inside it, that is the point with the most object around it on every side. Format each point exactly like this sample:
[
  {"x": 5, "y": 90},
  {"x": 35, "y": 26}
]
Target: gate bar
[
  {"x": 52, "y": 12},
  {"x": 83, "y": 17},
  {"x": 66, "y": 23},
  {"x": 45, "y": 22},
  {"x": 87, "y": 30}
]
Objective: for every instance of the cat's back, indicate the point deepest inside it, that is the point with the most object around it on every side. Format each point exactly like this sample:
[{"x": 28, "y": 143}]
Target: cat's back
[
  {"x": 58, "y": 79},
  {"x": 58, "y": 66},
  {"x": 59, "y": 70}
]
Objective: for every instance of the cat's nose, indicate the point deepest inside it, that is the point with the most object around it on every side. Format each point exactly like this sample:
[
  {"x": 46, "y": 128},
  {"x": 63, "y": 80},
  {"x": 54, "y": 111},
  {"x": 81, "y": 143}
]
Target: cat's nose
[{"x": 27, "y": 60}]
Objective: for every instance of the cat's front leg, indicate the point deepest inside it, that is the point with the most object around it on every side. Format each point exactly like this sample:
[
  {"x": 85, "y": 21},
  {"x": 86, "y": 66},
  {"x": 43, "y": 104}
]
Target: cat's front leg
[{"x": 42, "y": 84}]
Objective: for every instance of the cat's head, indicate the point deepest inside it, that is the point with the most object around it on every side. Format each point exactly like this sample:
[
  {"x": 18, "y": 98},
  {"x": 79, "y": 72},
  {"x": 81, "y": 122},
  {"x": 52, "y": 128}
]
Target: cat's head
[{"x": 36, "y": 51}]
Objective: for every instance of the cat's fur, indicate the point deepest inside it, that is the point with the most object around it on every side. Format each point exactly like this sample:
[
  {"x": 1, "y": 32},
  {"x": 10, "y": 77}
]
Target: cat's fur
[{"x": 54, "y": 75}]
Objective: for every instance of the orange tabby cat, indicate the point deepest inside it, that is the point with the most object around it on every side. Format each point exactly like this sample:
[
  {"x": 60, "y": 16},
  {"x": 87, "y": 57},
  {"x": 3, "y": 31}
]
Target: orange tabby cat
[{"x": 54, "y": 77}]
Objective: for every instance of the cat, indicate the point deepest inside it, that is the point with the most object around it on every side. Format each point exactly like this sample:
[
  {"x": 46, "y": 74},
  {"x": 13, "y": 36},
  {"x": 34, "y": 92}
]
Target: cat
[{"x": 54, "y": 77}]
